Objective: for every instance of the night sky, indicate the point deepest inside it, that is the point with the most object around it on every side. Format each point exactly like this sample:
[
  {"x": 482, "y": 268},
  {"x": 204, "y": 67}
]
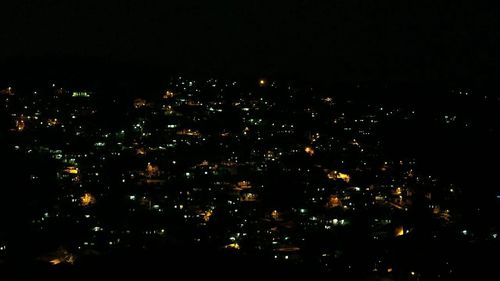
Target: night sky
[{"x": 336, "y": 40}]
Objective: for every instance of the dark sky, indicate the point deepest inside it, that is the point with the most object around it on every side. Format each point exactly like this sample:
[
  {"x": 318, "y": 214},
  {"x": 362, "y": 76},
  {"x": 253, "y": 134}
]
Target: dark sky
[{"x": 336, "y": 39}]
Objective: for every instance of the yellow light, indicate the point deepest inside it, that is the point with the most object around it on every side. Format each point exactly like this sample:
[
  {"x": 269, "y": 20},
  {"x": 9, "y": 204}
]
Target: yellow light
[
  {"x": 243, "y": 185},
  {"x": 344, "y": 177},
  {"x": 309, "y": 150},
  {"x": 52, "y": 122},
  {"x": 72, "y": 170},
  {"x": 334, "y": 175},
  {"x": 87, "y": 199},
  {"x": 399, "y": 231},
  {"x": 207, "y": 215},
  {"x": 234, "y": 246},
  {"x": 262, "y": 82}
]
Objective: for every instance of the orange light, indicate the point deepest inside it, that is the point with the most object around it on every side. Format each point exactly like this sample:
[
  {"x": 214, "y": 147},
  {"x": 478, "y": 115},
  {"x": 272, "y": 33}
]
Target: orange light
[
  {"x": 309, "y": 150},
  {"x": 72, "y": 170},
  {"x": 243, "y": 185},
  {"x": 275, "y": 215},
  {"x": 140, "y": 151},
  {"x": 55, "y": 261},
  {"x": 333, "y": 202},
  {"x": 87, "y": 199},
  {"x": 207, "y": 215},
  {"x": 152, "y": 170},
  {"x": 399, "y": 231}
]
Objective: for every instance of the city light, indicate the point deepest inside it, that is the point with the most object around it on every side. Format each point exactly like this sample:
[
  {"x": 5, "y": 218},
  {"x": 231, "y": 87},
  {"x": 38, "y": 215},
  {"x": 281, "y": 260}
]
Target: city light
[
  {"x": 309, "y": 150},
  {"x": 87, "y": 199},
  {"x": 287, "y": 174},
  {"x": 335, "y": 175}
]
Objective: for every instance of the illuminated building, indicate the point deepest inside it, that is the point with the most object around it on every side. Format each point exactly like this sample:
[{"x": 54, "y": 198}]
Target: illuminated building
[
  {"x": 188, "y": 132},
  {"x": 140, "y": 151},
  {"x": 139, "y": 103},
  {"x": 20, "y": 125},
  {"x": 152, "y": 170},
  {"x": 207, "y": 215},
  {"x": 333, "y": 202},
  {"x": 7, "y": 91},
  {"x": 234, "y": 246},
  {"x": 51, "y": 122},
  {"x": 241, "y": 185},
  {"x": 275, "y": 215},
  {"x": 71, "y": 170},
  {"x": 399, "y": 231},
  {"x": 81, "y": 94},
  {"x": 249, "y": 197},
  {"x": 397, "y": 191},
  {"x": 168, "y": 95},
  {"x": 334, "y": 175},
  {"x": 309, "y": 150},
  {"x": 87, "y": 199}
]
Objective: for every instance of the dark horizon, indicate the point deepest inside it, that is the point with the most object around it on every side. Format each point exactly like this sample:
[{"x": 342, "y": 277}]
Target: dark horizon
[
  {"x": 101, "y": 73},
  {"x": 347, "y": 41}
]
